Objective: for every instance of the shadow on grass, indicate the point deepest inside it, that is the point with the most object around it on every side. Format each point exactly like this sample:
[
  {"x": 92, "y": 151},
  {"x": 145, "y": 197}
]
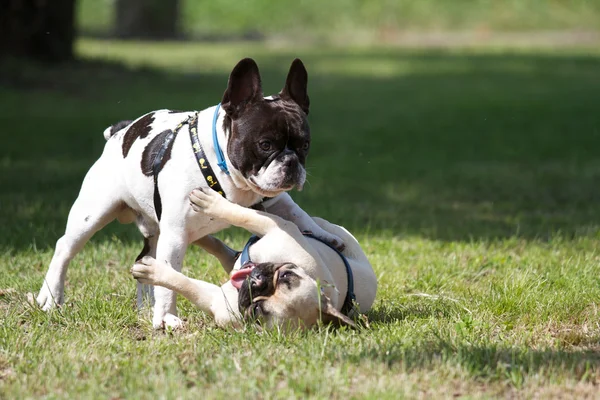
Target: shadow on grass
[
  {"x": 486, "y": 362},
  {"x": 447, "y": 146},
  {"x": 422, "y": 340}
]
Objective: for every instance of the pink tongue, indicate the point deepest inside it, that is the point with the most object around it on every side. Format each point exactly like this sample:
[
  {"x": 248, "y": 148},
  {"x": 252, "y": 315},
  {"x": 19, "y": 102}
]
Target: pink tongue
[{"x": 238, "y": 277}]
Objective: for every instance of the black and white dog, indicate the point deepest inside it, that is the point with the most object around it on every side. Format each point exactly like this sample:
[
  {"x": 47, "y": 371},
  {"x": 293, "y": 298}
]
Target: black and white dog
[{"x": 149, "y": 167}]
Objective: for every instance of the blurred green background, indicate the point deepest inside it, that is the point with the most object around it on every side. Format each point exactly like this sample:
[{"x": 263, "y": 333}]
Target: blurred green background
[
  {"x": 344, "y": 19},
  {"x": 463, "y": 135}
]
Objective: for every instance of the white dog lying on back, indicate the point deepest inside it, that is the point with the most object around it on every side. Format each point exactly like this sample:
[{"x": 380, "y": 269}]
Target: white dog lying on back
[{"x": 292, "y": 280}]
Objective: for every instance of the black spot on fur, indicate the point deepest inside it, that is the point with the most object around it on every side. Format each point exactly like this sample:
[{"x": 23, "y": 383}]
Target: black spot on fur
[
  {"x": 152, "y": 149},
  {"x": 118, "y": 126},
  {"x": 86, "y": 219},
  {"x": 140, "y": 129}
]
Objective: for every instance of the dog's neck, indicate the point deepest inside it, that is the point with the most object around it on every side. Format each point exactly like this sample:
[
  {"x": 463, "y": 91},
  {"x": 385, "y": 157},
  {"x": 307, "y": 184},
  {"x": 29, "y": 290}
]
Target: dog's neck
[{"x": 222, "y": 130}]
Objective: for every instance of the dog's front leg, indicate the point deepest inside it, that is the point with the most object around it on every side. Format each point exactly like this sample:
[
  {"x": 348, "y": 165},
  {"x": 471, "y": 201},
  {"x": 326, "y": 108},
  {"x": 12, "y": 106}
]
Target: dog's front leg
[
  {"x": 210, "y": 298},
  {"x": 171, "y": 248},
  {"x": 284, "y": 206},
  {"x": 150, "y": 271},
  {"x": 212, "y": 204}
]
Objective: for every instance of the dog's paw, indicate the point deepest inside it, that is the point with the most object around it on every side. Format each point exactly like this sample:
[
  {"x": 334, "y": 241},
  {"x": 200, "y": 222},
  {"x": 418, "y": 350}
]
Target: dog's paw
[
  {"x": 207, "y": 201},
  {"x": 47, "y": 300},
  {"x": 168, "y": 321},
  {"x": 338, "y": 243},
  {"x": 146, "y": 270},
  {"x": 335, "y": 241}
]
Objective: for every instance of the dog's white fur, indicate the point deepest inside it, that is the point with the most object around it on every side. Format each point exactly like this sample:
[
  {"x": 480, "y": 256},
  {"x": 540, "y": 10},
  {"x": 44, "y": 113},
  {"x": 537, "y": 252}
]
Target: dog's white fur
[
  {"x": 281, "y": 242},
  {"x": 116, "y": 188}
]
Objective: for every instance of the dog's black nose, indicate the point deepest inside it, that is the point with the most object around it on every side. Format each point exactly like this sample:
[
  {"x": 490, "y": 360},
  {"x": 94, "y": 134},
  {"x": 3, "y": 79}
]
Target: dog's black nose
[
  {"x": 291, "y": 166},
  {"x": 290, "y": 162},
  {"x": 258, "y": 281}
]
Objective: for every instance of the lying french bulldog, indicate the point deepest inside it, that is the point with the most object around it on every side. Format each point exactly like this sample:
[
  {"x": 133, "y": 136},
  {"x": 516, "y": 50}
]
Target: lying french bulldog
[
  {"x": 248, "y": 148},
  {"x": 287, "y": 279}
]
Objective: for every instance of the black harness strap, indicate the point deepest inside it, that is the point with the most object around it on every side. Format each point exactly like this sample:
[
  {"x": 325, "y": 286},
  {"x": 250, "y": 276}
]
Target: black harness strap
[{"x": 205, "y": 168}]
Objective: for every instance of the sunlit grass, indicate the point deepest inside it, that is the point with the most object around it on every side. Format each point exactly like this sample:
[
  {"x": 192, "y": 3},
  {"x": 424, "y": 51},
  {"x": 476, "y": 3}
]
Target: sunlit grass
[{"x": 339, "y": 19}]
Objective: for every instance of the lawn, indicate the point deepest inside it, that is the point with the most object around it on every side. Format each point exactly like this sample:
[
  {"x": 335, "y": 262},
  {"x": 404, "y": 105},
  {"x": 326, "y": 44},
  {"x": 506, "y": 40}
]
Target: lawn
[
  {"x": 358, "y": 19},
  {"x": 471, "y": 177}
]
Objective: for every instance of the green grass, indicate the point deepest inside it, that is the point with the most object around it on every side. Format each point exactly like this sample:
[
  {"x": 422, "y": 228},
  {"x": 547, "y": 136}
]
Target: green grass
[
  {"x": 471, "y": 178},
  {"x": 340, "y": 19}
]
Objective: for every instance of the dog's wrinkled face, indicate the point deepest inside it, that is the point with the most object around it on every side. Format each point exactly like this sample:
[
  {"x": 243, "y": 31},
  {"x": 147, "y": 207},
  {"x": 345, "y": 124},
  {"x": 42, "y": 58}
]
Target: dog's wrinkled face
[
  {"x": 284, "y": 296},
  {"x": 269, "y": 138}
]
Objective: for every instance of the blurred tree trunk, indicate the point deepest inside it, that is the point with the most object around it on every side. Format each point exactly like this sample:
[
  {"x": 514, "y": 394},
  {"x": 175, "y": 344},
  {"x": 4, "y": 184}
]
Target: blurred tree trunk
[
  {"x": 147, "y": 19},
  {"x": 40, "y": 29}
]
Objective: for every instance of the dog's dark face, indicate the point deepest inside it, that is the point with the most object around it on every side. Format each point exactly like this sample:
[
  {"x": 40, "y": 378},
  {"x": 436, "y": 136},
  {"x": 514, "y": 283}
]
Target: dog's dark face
[
  {"x": 269, "y": 138},
  {"x": 284, "y": 296}
]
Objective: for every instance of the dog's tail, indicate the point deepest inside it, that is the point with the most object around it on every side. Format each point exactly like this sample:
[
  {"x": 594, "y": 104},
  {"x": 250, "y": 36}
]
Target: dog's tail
[{"x": 111, "y": 130}]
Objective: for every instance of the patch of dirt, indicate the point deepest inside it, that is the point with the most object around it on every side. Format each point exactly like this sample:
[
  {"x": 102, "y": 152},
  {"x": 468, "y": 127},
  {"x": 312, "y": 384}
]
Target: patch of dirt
[
  {"x": 7, "y": 291},
  {"x": 584, "y": 335},
  {"x": 480, "y": 37},
  {"x": 137, "y": 333},
  {"x": 6, "y": 372},
  {"x": 579, "y": 390}
]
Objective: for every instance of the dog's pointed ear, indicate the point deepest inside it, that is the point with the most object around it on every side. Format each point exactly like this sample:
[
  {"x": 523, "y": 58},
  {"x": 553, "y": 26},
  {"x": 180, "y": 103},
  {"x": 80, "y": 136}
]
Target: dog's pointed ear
[
  {"x": 329, "y": 314},
  {"x": 244, "y": 86},
  {"x": 296, "y": 85}
]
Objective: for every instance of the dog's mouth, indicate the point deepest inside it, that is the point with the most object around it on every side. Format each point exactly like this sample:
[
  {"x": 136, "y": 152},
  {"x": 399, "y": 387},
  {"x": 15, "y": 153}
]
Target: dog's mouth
[
  {"x": 238, "y": 277},
  {"x": 272, "y": 192}
]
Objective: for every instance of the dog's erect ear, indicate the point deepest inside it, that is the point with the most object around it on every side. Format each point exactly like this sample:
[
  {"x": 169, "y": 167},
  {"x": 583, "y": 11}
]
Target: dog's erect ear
[
  {"x": 330, "y": 314},
  {"x": 296, "y": 85},
  {"x": 244, "y": 86}
]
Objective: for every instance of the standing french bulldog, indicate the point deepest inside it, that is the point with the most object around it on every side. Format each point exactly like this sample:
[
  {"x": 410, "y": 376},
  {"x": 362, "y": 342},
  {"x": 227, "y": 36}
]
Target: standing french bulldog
[{"x": 257, "y": 147}]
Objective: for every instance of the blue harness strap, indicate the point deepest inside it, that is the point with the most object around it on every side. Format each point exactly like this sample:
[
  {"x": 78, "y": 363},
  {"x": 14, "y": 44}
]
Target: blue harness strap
[
  {"x": 245, "y": 254},
  {"x": 350, "y": 299}
]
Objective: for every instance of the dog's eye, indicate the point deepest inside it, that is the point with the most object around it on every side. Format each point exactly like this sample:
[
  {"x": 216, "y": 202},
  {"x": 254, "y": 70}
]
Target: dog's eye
[
  {"x": 265, "y": 145},
  {"x": 286, "y": 274},
  {"x": 286, "y": 277},
  {"x": 257, "y": 309},
  {"x": 305, "y": 145}
]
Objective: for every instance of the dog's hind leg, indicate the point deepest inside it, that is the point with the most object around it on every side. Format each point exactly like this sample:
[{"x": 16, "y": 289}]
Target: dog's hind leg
[
  {"x": 96, "y": 206},
  {"x": 145, "y": 292},
  {"x": 225, "y": 254}
]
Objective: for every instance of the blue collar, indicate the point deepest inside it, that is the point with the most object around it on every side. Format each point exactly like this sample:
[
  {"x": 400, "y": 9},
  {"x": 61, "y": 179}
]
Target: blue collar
[
  {"x": 220, "y": 157},
  {"x": 348, "y": 306}
]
